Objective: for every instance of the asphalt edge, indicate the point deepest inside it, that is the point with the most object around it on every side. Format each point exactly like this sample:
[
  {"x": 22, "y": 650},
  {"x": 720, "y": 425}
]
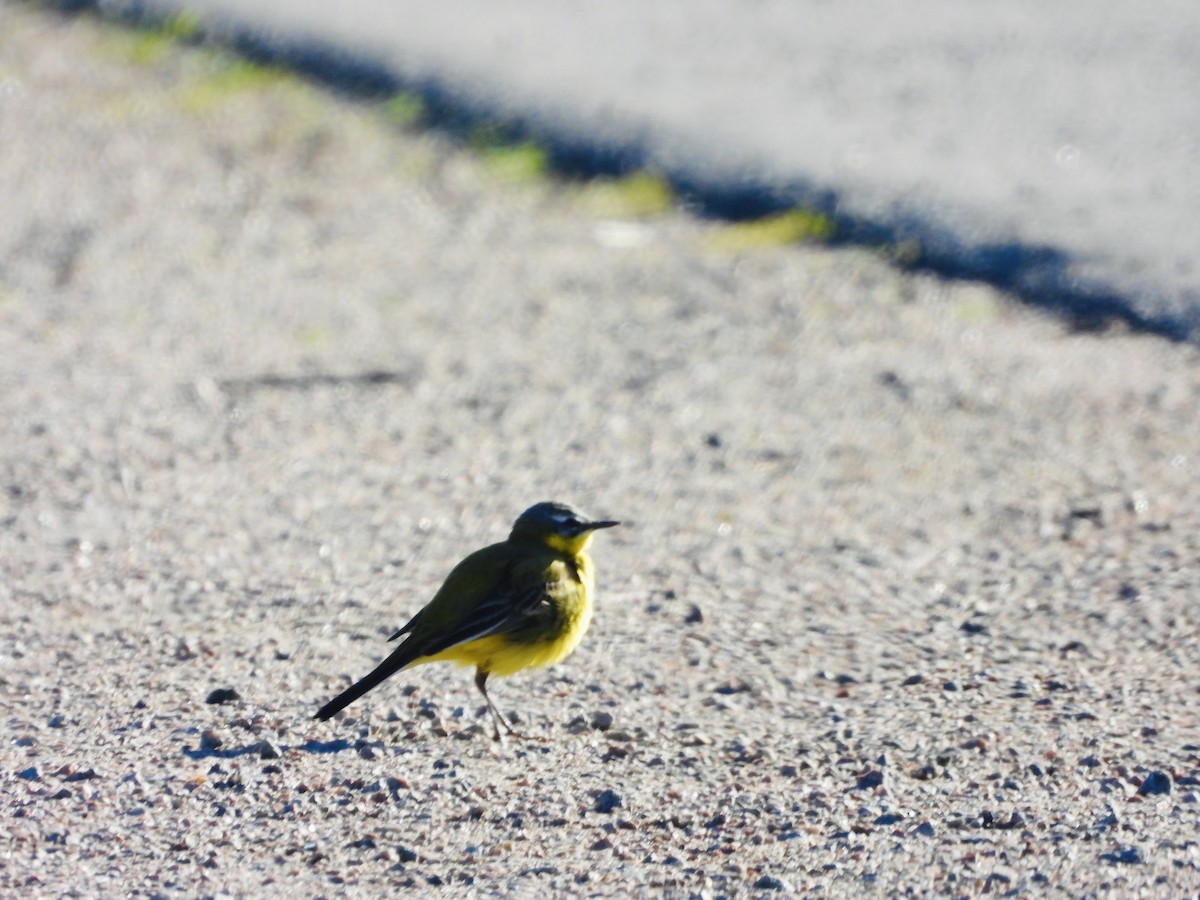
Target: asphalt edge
[{"x": 1037, "y": 274}]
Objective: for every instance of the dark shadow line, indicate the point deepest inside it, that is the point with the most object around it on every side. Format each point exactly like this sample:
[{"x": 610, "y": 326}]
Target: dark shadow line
[
  {"x": 271, "y": 381},
  {"x": 255, "y": 749},
  {"x": 1038, "y": 274}
]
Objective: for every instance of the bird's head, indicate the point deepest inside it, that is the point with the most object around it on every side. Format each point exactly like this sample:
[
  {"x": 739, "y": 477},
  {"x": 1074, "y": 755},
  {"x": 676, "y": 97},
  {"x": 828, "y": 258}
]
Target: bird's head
[{"x": 557, "y": 526}]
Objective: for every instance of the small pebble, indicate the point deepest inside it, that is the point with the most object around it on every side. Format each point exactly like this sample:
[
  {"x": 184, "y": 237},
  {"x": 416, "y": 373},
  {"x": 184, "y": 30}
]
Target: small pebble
[
  {"x": 769, "y": 883},
  {"x": 615, "y": 751},
  {"x": 1155, "y": 783},
  {"x": 267, "y": 750},
  {"x": 602, "y": 721},
  {"x": 607, "y": 801},
  {"x": 1127, "y": 857},
  {"x": 868, "y": 780}
]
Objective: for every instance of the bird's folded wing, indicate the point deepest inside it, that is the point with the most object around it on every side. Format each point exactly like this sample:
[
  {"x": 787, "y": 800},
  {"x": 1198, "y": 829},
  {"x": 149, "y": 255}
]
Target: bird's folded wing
[
  {"x": 479, "y": 575},
  {"x": 504, "y": 610}
]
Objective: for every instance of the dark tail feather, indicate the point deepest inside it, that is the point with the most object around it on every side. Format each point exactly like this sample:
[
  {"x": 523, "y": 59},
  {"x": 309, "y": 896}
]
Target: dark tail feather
[{"x": 385, "y": 669}]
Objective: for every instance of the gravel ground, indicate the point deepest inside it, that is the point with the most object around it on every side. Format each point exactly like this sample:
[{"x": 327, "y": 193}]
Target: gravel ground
[{"x": 906, "y": 601}]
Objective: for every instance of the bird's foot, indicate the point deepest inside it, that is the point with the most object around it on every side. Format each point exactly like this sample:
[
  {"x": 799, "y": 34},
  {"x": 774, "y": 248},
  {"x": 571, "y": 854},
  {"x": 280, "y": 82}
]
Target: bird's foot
[{"x": 499, "y": 721}]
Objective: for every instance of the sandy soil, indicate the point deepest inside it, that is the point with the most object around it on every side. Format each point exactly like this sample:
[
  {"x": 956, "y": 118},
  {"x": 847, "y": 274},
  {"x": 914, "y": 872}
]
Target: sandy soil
[{"x": 906, "y": 601}]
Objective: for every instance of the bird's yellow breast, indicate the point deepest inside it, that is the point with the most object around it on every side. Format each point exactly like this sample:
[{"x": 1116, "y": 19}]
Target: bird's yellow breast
[{"x": 570, "y": 585}]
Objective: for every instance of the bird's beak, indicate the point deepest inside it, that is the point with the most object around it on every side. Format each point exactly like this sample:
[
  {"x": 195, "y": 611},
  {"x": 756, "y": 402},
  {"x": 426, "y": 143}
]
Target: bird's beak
[{"x": 596, "y": 526}]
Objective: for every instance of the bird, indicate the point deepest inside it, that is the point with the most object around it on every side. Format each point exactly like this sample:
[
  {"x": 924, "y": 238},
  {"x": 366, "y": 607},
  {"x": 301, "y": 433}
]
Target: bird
[{"x": 517, "y": 604}]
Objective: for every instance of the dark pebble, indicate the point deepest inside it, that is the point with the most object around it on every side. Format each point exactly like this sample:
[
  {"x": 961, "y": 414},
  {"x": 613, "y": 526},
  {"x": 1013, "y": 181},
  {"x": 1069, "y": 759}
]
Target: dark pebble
[
  {"x": 602, "y": 721},
  {"x": 731, "y": 687},
  {"x": 267, "y": 750},
  {"x": 607, "y": 801},
  {"x": 868, "y": 780},
  {"x": 913, "y": 679},
  {"x": 223, "y": 695},
  {"x": 769, "y": 883},
  {"x": 989, "y": 820},
  {"x": 695, "y": 616},
  {"x": 925, "y": 829},
  {"x": 1127, "y": 857},
  {"x": 1156, "y": 783},
  {"x": 973, "y": 628},
  {"x": 30, "y": 774}
]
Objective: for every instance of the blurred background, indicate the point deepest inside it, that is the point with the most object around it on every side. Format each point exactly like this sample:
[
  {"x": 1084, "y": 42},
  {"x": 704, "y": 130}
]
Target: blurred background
[
  {"x": 298, "y": 305},
  {"x": 1047, "y": 150}
]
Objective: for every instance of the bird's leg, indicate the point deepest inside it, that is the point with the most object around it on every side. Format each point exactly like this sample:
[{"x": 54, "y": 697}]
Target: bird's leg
[{"x": 498, "y": 719}]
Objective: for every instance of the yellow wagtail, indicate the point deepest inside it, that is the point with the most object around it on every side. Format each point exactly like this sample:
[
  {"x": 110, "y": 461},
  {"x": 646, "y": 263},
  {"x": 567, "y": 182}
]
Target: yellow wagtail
[{"x": 526, "y": 601}]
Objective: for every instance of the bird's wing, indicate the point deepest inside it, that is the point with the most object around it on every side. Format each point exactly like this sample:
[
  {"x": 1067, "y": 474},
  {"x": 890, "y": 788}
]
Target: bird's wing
[
  {"x": 494, "y": 595},
  {"x": 502, "y": 612}
]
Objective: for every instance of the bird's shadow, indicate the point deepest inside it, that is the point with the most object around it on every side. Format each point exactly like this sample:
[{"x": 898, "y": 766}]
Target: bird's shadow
[
  {"x": 522, "y": 746},
  {"x": 256, "y": 748}
]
